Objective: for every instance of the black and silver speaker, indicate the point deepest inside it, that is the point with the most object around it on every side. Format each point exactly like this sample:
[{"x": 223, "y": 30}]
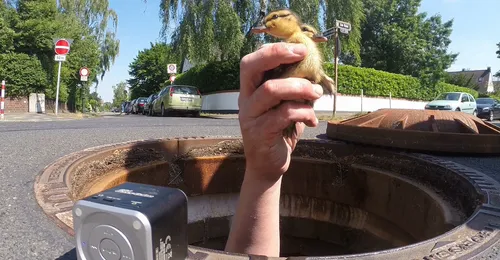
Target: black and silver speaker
[{"x": 132, "y": 221}]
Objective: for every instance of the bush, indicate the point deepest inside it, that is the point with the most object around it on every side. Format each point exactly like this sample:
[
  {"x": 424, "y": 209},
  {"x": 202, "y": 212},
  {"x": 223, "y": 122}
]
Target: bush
[
  {"x": 211, "y": 77},
  {"x": 224, "y": 75}
]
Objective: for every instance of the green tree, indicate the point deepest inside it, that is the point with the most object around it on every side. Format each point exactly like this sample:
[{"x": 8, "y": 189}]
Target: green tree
[
  {"x": 498, "y": 56},
  {"x": 96, "y": 16},
  {"x": 23, "y": 74},
  {"x": 148, "y": 70},
  {"x": 119, "y": 94},
  {"x": 398, "y": 39},
  {"x": 215, "y": 30}
]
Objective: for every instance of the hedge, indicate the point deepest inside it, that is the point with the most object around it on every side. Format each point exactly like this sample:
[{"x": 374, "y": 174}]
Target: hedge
[{"x": 224, "y": 75}]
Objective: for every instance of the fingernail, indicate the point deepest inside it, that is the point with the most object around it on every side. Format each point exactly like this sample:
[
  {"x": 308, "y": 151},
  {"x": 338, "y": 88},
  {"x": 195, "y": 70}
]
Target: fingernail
[
  {"x": 318, "y": 89},
  {"x": 298, "y": 49}
]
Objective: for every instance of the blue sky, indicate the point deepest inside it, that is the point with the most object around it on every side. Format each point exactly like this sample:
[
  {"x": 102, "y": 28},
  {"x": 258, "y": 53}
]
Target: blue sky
[{"x": 474, "y": 34}]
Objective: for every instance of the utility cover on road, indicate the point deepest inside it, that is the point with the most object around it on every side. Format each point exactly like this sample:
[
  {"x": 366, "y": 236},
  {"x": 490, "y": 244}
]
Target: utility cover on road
[{"x": 423, "y": 130}]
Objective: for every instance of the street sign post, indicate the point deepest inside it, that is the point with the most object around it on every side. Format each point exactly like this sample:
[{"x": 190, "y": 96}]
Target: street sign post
[
  {"x": 84, "y": 74},
  {"x": 172, "y": 68},
  {"x": 344, "y": 28},
  {"x": 61, "y": 49}
]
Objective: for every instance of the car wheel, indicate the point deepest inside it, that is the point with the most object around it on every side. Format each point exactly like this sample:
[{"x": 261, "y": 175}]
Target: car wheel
[
  {"x": 474, "y": 113},
  {"x": 163, "y": 113},
  {"x": 458, "y": 109},
  {"x": 196, "y": 114},
  {"x": 491, "y": 117}
]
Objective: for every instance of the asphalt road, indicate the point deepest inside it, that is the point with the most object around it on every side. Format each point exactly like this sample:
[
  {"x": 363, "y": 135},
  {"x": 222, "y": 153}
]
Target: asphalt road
[{"x": 26, "y": 148}]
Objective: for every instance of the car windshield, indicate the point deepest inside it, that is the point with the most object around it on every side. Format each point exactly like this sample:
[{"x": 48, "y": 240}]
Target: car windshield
[
  {"x": 485, "y": 101},
  {"x": 185, "y": 90},
  {"x": 448, "y": 96}
]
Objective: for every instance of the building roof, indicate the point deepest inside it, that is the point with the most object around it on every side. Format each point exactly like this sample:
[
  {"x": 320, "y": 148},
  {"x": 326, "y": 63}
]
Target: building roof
[{"x": 479, "y": 77}]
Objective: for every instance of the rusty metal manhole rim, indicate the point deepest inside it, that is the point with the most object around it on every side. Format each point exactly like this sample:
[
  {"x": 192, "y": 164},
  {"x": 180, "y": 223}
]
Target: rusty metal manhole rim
[{"x": 475, "y": 177}]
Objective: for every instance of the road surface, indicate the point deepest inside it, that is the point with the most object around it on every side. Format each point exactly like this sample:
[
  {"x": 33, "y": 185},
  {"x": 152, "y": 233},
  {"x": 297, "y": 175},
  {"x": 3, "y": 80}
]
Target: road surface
[{"x": 27, "y": 147}]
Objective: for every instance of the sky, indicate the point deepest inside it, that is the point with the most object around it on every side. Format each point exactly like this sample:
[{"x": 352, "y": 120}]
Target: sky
[{"x": 474, "y": 34}]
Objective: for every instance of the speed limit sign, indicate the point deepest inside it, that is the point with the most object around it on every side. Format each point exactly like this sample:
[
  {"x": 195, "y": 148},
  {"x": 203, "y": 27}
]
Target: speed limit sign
[{"x": 172, "y": 68}]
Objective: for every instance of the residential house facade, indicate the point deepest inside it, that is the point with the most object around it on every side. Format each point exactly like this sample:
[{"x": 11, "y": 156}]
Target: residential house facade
[{"x": 483, "y": 79}]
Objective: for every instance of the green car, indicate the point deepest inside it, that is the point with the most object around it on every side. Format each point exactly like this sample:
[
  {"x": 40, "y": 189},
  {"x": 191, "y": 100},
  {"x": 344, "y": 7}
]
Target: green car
[
  {"x": 178, "y": 98},
  {"x": 454, "y": 101}
]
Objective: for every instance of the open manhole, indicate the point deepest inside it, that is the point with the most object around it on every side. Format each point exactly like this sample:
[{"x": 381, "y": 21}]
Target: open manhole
[
  {"x": 338, "y": 200},
  {"x": 422, "y": 130}
]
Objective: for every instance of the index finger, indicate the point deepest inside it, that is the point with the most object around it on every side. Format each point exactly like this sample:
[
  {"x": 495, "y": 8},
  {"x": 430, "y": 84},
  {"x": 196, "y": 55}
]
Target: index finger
[{"x": 270, "y": 56}]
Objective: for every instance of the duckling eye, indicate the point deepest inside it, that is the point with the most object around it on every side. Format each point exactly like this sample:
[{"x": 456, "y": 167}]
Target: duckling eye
[{"x": 275, "y": 16}]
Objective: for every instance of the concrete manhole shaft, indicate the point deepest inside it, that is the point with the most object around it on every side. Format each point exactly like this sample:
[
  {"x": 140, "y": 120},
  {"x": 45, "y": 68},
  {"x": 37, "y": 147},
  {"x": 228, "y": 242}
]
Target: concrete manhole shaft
[{"x": 338, "y": 200}]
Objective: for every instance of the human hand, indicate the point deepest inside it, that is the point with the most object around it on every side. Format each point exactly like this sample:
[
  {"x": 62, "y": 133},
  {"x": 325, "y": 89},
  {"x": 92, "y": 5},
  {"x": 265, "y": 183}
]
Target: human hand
[{"x": 267, "y": 152}]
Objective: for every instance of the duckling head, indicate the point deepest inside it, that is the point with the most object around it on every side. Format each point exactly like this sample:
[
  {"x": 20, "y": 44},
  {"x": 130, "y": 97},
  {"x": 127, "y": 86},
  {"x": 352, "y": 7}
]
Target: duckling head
[
  {"x": 312, "y": 33},
  {"x": 281, "y": 24}
]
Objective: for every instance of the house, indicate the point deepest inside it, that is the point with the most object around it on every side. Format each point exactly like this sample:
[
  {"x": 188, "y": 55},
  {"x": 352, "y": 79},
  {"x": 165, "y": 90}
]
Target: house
[
  {"x": 496, "y": 84},
  {"x": 482, "y": 79}
]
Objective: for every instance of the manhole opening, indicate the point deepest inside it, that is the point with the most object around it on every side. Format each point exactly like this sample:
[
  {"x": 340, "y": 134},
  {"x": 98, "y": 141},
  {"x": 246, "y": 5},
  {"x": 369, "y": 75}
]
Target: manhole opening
[{"x": 336, "y": 199}]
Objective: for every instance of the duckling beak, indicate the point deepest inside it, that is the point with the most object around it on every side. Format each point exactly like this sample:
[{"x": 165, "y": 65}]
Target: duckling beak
[
  {"x": 259, "y": 29},
  {"x": 320, "y": 38}
]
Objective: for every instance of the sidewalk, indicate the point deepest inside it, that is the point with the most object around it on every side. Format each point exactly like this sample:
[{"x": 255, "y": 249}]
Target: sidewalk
[
  {"x": 47, "y": 117},
  {"x": 322, "y": 115}
]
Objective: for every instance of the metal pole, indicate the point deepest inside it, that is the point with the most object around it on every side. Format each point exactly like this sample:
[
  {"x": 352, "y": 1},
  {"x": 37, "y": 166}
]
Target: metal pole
[
  {"x": 57, "y": 88},
  {"x": 390, "y": 100},
  {"x": 336, "y": 51},
  {"x": 2, "y": 101},
  {"x": 361, "y": 100}
]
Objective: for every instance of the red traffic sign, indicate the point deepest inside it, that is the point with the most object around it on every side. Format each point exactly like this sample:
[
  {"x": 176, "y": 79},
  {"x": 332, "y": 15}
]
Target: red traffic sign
[
  {"x": 84, "y": 71},
  {"x": 172, "y": 78},
  {"x": 62, "y": 47}
]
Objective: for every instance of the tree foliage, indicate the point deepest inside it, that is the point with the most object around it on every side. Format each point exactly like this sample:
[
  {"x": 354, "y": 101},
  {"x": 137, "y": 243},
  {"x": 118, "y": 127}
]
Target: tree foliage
[
  {"x": 398, "y": 39},
  {"x": 119, "y": 94},
  {"x": 149, "y": 69},
  {"x": 215, "y": 30},
  {"x": 27, "y": 32}
]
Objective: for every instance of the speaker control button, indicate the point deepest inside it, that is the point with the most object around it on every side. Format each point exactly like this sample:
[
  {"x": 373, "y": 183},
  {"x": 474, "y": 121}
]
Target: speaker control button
[
  {"x": 112, "y": 244},
  {"x": 109, "y": 250}
]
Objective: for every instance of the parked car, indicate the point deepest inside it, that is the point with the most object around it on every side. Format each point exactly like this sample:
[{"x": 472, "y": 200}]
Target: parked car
[
  {"x": 130, "y": 105},
  {"x": 178, "y": 98},
  {"x": 125, "y": 106},
  {"x": 454, "y": 101},
  {"x": 149, "y": 104},
  {"x": 139, "y": 105},
  {"x": 488, "y": 108}
]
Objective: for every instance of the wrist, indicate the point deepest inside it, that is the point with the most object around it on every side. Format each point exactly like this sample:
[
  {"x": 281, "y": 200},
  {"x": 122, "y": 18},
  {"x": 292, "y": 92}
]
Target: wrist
[{"x": 261, "y": 180}]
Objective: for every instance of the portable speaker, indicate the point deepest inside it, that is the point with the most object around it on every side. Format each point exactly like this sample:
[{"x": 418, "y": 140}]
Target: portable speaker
[{"x": 132, "y": 221}]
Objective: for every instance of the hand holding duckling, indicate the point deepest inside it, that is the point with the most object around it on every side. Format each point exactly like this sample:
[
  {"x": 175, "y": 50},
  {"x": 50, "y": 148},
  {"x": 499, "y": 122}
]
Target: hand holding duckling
[{"x": 286, "y": 25}]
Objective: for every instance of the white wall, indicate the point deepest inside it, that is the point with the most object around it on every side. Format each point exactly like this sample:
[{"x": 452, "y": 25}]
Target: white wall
[{"x": 229, "y": 102}]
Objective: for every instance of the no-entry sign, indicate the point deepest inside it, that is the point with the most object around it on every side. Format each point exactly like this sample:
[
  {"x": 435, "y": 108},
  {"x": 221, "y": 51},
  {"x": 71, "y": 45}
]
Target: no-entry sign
[
  {"x": 172, "y": 68},
  {"x": 84, "y": 74},
  {"x": 62, "y": 47}
]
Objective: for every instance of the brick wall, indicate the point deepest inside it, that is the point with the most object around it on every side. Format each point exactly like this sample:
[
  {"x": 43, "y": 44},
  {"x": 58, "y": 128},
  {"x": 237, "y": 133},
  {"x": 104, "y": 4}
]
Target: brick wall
[
  {"x": 50, "y": 106},
  {"x": 16, "y": 105}
]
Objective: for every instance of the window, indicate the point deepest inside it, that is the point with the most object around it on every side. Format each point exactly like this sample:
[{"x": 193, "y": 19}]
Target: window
[
  {"x": 471, "y": 98},
  {"x": 465, "y": 98}
]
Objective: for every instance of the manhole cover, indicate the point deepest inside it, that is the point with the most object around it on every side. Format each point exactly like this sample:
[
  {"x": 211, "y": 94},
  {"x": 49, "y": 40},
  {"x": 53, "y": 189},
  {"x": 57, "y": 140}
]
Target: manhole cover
[
  {"x": 338, "y": 200},
  {"x": 423, "y": 130}
]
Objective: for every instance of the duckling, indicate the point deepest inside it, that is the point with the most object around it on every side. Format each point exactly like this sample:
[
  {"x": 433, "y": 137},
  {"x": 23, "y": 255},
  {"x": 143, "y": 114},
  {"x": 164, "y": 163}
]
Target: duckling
[
  {"x": 286, "y": 25},
  {"x": 312, "y": 33}
]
